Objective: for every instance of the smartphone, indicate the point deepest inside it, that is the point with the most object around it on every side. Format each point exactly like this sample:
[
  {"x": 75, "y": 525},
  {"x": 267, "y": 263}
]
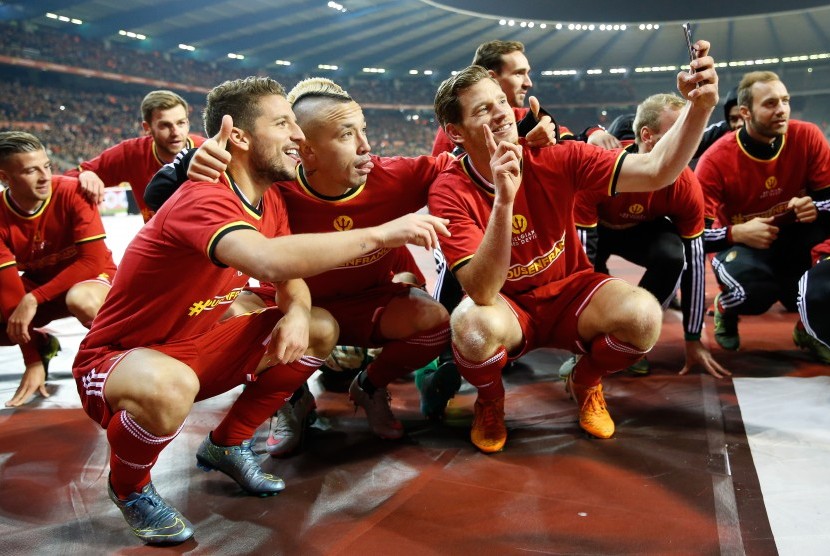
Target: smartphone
[
  {"x": 784, "y": 218},
  {"x": 687, "y": 30}
]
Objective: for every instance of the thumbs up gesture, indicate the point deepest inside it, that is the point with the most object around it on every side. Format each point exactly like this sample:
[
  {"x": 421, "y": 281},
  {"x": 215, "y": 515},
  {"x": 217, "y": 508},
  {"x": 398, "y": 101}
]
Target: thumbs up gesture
[{"x": 212, "y": 158}]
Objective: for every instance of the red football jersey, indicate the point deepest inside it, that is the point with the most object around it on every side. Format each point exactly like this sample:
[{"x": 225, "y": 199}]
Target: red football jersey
[
  {"x": 45, "y": 243},
  {"x": 171, "y": 286},
  {"x": 738, "y": 187},
  {"x": 396, "y": 186},
  {"x": 135, "y": 161},
  {"x": 681, "y": 202},
  {"x": 545, "y": 246}
]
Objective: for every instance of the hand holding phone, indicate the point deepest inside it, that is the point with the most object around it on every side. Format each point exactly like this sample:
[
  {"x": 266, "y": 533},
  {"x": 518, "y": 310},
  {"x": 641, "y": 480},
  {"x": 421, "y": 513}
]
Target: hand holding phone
[{"x": 784, "y": 218}]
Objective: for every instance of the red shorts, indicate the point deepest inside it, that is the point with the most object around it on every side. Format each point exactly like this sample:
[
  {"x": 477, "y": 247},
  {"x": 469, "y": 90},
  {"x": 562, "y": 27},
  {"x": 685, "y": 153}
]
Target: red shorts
[
  {"x": 356, "y": 314},
  {"x": 223, "y": 357},
  {"x": 549, "y": 314}
]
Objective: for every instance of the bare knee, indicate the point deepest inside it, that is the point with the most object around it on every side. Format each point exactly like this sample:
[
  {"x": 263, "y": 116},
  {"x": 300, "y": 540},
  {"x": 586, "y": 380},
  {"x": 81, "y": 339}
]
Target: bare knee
[
  {"x": 430, "y": 314},
  {"x": 83, "y": 304},
  {"x": 474, "y": 331},
  {"x": 163, "y": 406},
  {"x": 638, "y": 319},
  {"x": 323, "y": 333}
]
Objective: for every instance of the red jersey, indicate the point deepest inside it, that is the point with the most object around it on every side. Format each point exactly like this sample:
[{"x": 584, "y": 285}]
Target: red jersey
[
  {"x": 396, "y": 186},
  {"x": 171, "y": 285},
  {"x": 46, "y": 243},
  {"x": 545, "y": 246},
  {"x": 681, "y": 202},
  {"x": 135, "y": 161},
  {"x": 737, "y": 187}
]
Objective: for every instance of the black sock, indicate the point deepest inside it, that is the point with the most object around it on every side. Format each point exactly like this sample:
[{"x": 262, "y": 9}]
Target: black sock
[{"x": 365, "y": 384}]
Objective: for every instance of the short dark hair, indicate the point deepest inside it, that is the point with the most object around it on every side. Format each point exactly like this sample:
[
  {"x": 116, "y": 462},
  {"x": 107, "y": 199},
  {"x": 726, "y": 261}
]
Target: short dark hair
[
  {"x": 447, "y": 105},
  {"x": 489, "y": 54},
  {"x": 16, "y": 142},
  {"x": 160, "y": 100},
  {"x": 238, "y": 99}
]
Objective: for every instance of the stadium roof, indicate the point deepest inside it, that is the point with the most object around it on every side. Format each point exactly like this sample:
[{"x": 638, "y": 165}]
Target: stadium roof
[{"x": 404, "y": 36}]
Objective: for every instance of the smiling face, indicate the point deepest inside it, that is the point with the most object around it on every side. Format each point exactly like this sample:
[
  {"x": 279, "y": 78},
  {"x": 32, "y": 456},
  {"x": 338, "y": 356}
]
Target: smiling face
[
  {"x": 483, "y": 104},
  {"x": 29, "y": 177},
  {"x": 336, "y": 151},
  {"x": 275, "y": 140},
  {"x": 769, "y": 115}
]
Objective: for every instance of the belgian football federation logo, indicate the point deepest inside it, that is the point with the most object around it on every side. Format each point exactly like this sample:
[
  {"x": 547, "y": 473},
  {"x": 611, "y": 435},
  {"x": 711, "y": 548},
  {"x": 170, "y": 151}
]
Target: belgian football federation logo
[
  {"x": 519, "y": 224},
  {"x": 771, "y": 183},
  {"x": 636, "y": 208},
  {"x": 343, "y": 223}
]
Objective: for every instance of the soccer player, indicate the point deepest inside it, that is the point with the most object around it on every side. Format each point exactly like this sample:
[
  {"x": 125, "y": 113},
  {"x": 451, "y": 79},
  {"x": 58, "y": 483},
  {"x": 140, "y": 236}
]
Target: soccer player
[
  {"x": 661, "y": 231},
  {"x": 766, "y": 186},
  {"x": 506, "y": 62},
  {"x": 53, "y": 259},
  {"x": 340, "y": 185},
  {"x": 514, "y": 247},
  {"x": 167, "y": 132},
  {"x": 157, "y": 345}
]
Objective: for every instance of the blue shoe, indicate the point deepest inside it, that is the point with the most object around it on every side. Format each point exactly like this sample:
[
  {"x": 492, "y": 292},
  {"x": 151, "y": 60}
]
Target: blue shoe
[
  {"x": 152, "y": 519},
  {"x": 437, "y": 388},
  {"x": 567, "y": 366},
  {"x": 239, "y": 463},
  {"x": 48, "y": 350}
]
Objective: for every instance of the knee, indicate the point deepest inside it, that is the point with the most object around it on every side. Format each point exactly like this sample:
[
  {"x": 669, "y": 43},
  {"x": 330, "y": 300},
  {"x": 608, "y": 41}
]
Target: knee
[
  {"x": 670, "y": 255},
  {"x": 323, "y": 333},
  {"x": 473, "y": 333},
  {"x": 167, "y": 404},
  {"x": 83, "y": 305},
  {"x": 640, "y": 319},
  {"x": 429, "y": 315}
]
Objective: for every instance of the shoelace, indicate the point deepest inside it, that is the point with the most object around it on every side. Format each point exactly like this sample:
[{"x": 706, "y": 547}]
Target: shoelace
[
  {"x": 596, "y": 401},
  {"x": 382, "y": 399},
  {"x": 160, "y": 512}
]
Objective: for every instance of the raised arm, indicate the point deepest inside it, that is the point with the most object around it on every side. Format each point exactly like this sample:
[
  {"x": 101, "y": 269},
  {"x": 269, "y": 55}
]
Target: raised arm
[
  {"x": 661, "y": 166},
  {"x": 486, "y": 273}
]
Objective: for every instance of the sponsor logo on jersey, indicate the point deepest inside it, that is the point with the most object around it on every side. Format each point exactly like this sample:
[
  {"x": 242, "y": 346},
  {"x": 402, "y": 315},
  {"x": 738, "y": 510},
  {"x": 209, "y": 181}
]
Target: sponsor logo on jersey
[
  {"x": 216, "y": 301},
  {"x": 343, "y": 223},
  {"x": 538, "y": 264}
]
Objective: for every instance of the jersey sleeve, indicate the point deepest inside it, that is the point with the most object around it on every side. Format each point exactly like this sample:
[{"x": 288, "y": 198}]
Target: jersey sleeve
[
  {"x": 687, "y": 205},
  {"x": 585, "y": 210},
  {"x": 110, "y": 165},
  {"x": 820, "y": 163},
  {"x": 199, "y": 219},
  {"x": 710, "y": 180},
  {"x": 445, "y": 201}
]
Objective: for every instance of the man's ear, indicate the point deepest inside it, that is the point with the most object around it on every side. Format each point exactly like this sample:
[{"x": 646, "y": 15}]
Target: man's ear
[
  {"x": 239, "y": 139},
  {"x": 307, "y": 152},
  {"x": 146, "y": 127},
  {"x": 745, "y": 115},
  {"x": 454, "y": 133}
]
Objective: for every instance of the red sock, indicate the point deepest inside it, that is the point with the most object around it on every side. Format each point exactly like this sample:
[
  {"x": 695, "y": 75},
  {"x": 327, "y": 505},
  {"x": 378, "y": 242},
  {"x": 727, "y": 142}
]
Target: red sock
[
  {"x": 607, "y": 355},
  {"x": 261, "y": 398},
  {"x": 484, "y": 375},
  {"x": 133, "y": 451},
  {"x": 401, "y": 357}
]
